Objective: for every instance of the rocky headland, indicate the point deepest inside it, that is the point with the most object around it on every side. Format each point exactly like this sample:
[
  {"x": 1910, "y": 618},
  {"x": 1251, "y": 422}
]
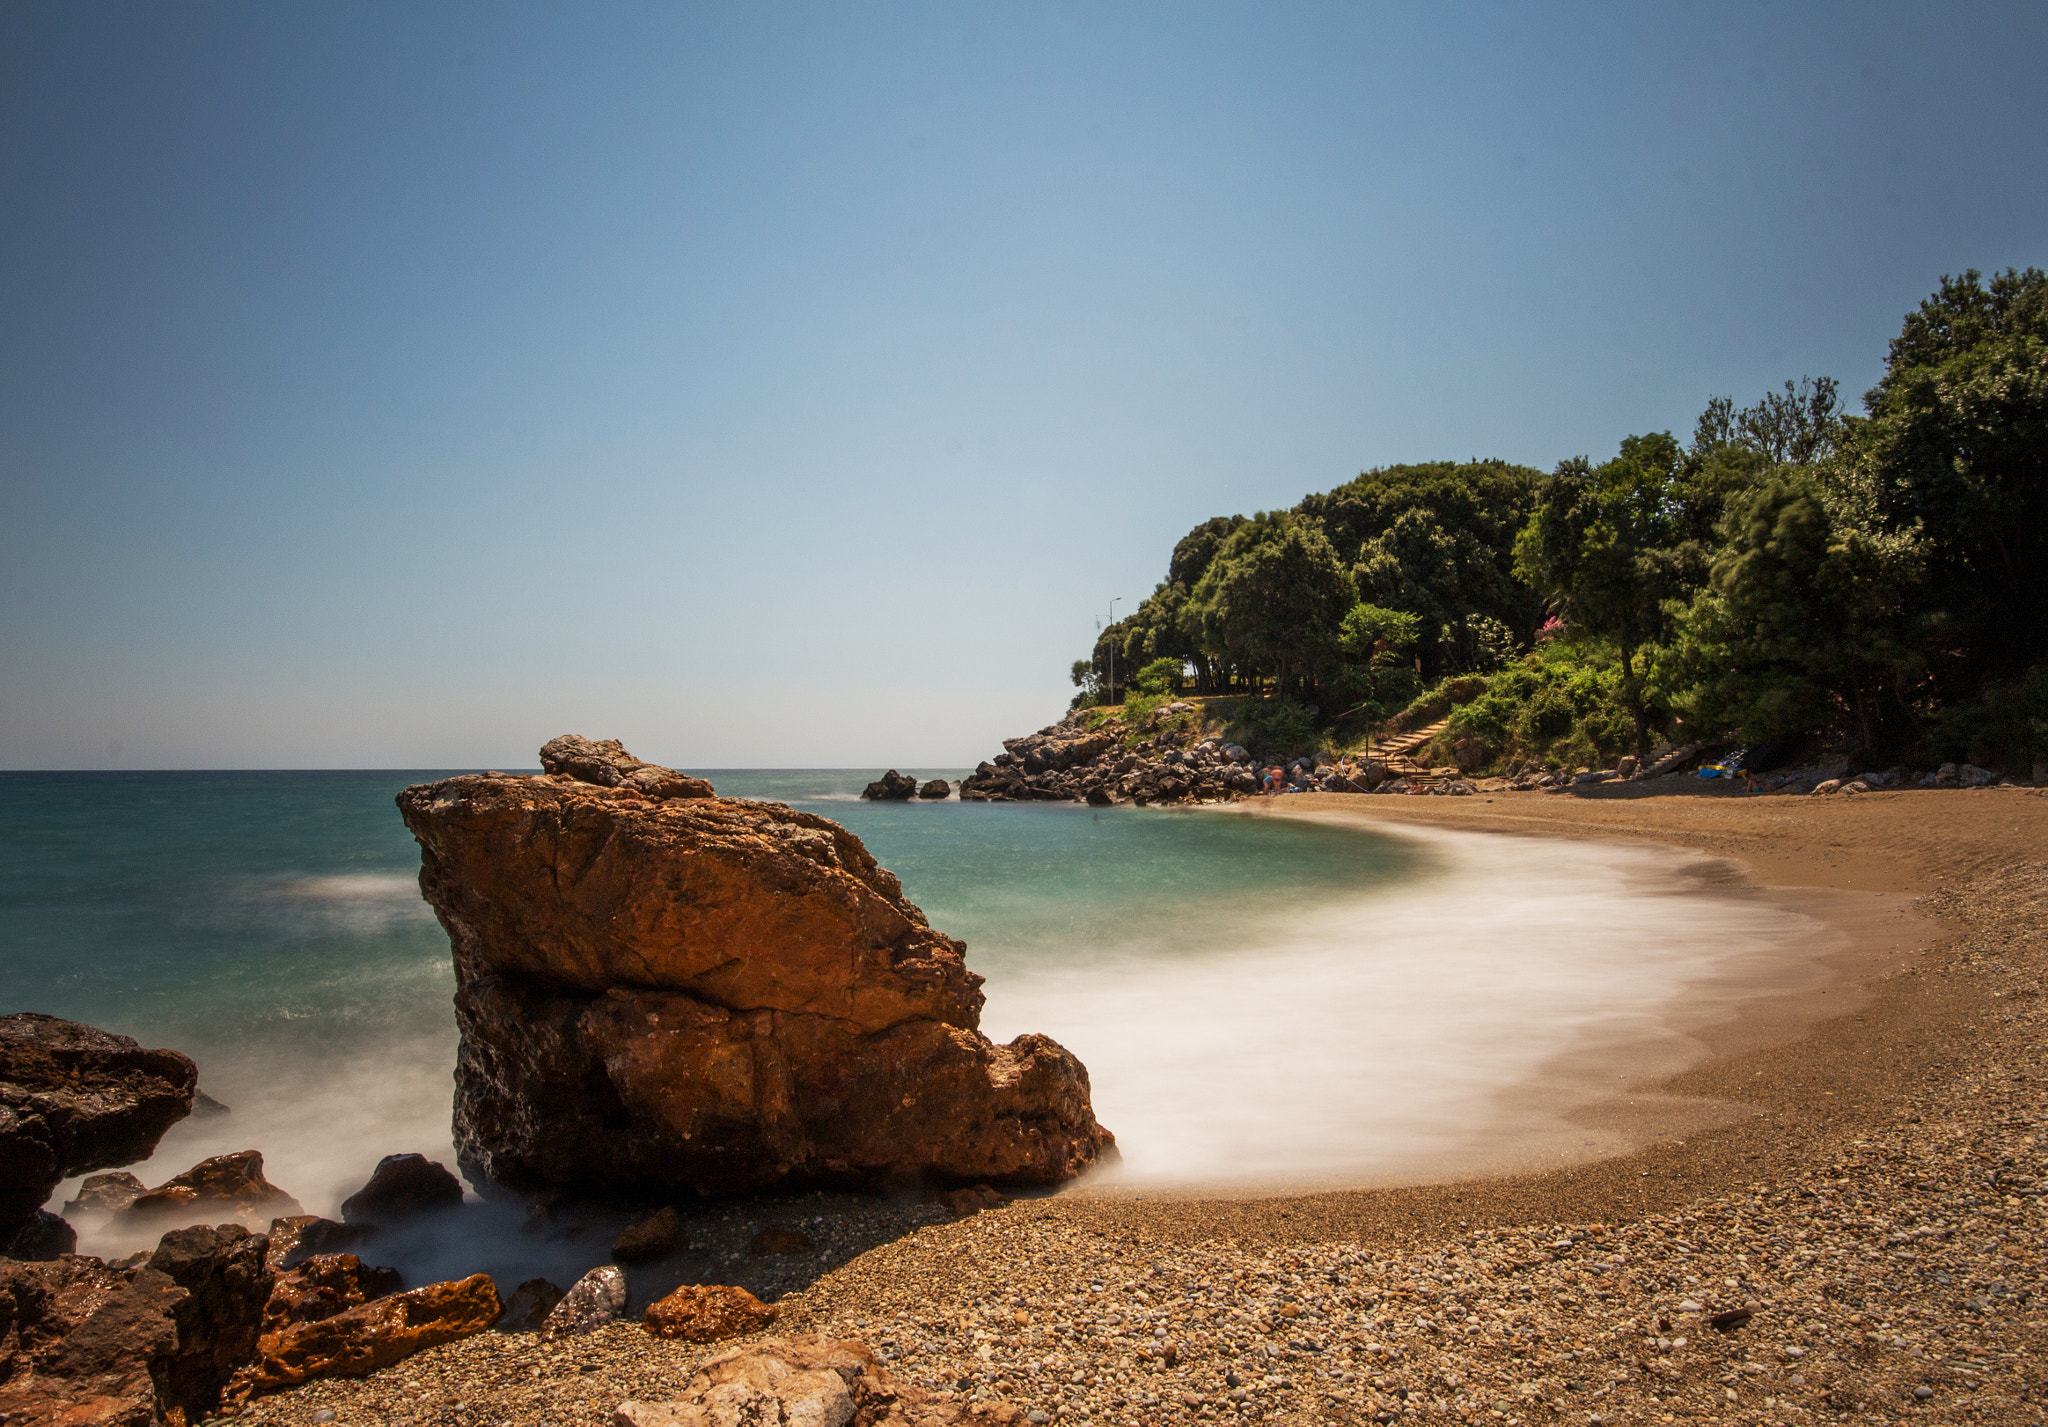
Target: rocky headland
[
  {"x": 1171, "y": 759},
  {"x": 661, "y": 990}
]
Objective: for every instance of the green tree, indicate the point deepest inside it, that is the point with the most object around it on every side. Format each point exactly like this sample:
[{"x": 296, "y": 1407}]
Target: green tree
[
  {"x": 1273, "y": 596},
  {"x": 1956, "y": 448},
  {"x": 1603, "y": 546},
  {"x": 1807, "y": 617}
]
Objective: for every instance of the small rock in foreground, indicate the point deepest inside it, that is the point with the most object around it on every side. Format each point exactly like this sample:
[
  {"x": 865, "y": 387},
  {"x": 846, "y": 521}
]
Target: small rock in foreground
[
  {"x": 372, "y": 1335},
  {"x": 595, "y": 1299},
  {"x": 810, "y": 1380},
  {"x": 706, "y": 1313},
  {"x": 528, "y": 1307}
]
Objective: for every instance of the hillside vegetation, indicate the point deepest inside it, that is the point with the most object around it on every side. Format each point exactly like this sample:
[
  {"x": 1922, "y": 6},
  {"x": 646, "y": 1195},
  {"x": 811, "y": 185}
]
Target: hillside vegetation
[{"x": 1793, "y": 571}]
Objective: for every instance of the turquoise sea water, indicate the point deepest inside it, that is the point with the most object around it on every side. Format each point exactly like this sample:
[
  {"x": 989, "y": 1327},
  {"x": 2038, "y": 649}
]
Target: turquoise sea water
[{"x": 1260, "y": 1001}]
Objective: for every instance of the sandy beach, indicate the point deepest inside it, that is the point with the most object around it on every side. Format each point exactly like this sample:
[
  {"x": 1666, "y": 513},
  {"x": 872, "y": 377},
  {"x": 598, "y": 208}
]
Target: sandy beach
[{"x": 1853, "y": 1233}]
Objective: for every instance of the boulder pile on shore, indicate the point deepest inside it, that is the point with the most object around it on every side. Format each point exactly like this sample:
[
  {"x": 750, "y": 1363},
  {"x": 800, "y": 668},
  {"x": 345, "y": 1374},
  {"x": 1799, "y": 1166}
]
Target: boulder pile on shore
[
  {"x": 1073, "y": 760},
  {"x": 659, "y": 990}
]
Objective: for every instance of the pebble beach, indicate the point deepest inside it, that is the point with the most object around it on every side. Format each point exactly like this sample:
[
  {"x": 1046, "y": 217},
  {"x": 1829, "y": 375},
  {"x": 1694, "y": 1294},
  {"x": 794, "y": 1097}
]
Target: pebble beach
[{"x": 1860, "y": 1241}]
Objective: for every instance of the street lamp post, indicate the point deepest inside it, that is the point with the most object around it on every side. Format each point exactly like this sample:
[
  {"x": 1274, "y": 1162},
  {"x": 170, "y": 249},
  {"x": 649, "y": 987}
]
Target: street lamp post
[{"x": 1112, "y": 645}]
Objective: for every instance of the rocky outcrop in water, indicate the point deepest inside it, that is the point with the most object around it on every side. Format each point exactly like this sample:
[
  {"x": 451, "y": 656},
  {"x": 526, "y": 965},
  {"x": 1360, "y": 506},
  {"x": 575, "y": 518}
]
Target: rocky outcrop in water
[
  {"x": 607, "y": 764},
  {"x": 1170, "y": 762},
  {"x": 402, "y": 1186},
  {"x": 716, "y": 995},
  {"x": 75, "y": 1099},
  {"x": 891, "y": 787}
]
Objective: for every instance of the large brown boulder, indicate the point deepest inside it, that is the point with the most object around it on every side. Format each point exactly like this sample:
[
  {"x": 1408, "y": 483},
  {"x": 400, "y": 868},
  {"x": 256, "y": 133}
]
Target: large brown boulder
[
  {"x": 75, "y": 1099},
  {"x": 810, "y": 1380},
  {"x": 718, "y": 995}
]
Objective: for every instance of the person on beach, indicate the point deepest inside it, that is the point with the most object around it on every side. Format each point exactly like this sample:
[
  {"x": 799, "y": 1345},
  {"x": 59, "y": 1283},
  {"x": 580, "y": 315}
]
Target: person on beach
[{"x": 1273, "y": 783}]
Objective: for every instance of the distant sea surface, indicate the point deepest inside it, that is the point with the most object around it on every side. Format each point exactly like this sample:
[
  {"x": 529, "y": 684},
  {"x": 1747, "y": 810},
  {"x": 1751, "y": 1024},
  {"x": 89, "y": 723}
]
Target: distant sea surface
[{"x": 1259, "y": 1000}]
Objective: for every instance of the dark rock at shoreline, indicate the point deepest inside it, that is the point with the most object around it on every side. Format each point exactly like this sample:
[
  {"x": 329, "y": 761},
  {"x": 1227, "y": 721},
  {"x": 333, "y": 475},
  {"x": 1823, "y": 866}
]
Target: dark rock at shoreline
[
  {"x": 401, "y": 1186},
  {"x": 228, "y": 1186},
  {"x": 42, "y": 1235},
  {"x": 298, "y": 1237},
  {"x": 656, "y": 1236},
  {"x": 716, "y": 995},
  {"x": 891, "y": 787},
  {"x": 527, "y": 1310},
  {"x": 227, "y": 1283},
  {"x": 607, "y": 764},
  {"x": 73, "y": 1099},
  {"x": 936, "y": 789},
  {"x": 81, "y": 1343},
  {"x": 369, "y": 1335}
]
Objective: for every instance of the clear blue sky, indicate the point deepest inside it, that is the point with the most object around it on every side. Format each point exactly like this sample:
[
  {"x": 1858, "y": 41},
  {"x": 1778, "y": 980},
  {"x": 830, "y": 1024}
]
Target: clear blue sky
[{"x": 794, "y": 385}]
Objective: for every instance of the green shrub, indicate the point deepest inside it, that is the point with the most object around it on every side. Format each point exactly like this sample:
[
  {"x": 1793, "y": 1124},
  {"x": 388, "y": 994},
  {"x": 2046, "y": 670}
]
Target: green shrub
[
  {"x": 1161, "y": 676},
  {"x": 1278, "y": 727}
]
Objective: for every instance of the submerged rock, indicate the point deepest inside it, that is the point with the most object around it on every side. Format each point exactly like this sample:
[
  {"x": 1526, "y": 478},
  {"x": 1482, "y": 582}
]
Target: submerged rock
[
  {"x": 103, "y": 1194},
  {"x": 73, "y": 1099},
  {"x": 716, "y": 995}
]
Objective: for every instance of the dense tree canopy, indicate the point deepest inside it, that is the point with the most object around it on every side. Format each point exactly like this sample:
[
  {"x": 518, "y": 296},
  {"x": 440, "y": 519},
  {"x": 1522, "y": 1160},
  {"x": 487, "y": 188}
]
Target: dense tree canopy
[{"x": 1793, "y": 570}]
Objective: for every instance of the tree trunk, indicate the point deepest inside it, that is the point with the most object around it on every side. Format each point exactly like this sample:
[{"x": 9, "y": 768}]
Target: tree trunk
[{"x": 1634, "y": 696}]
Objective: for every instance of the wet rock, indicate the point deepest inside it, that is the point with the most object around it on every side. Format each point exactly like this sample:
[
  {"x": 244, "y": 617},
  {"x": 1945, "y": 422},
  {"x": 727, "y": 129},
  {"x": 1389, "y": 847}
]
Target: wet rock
[
  {"x": 74, "y": 1099},
  {"x": 323, "y": 1286},
  {"x": 891, "y": 787},
  {"x": 222, "y": 1270},
  {"x": 597, "y": 1298},
  {"x": 104, "y": 1194},
  {"x": 780, "y": 1241},
  {"x": 659, "y": 1234},
  {"x": 606, "y": 764},
  {"x": 371, "y": 1335},
  {"x": 307, "y": 1235},
  {"x": 716, "y": 995},
  {"x": 80, "y": 1343},
  {"x": 814, "y": 1381},
  {"x": 935, "y": 789},
  {"x": 528, "y": 1307},
  {"x": 707, "y": 1313},
  {"x": 42, "y": 1236},
  {"x": 229, "y": 1186},
  {"x": 205, "y": 1107},
  {"x": 401, "y": 1186}
]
